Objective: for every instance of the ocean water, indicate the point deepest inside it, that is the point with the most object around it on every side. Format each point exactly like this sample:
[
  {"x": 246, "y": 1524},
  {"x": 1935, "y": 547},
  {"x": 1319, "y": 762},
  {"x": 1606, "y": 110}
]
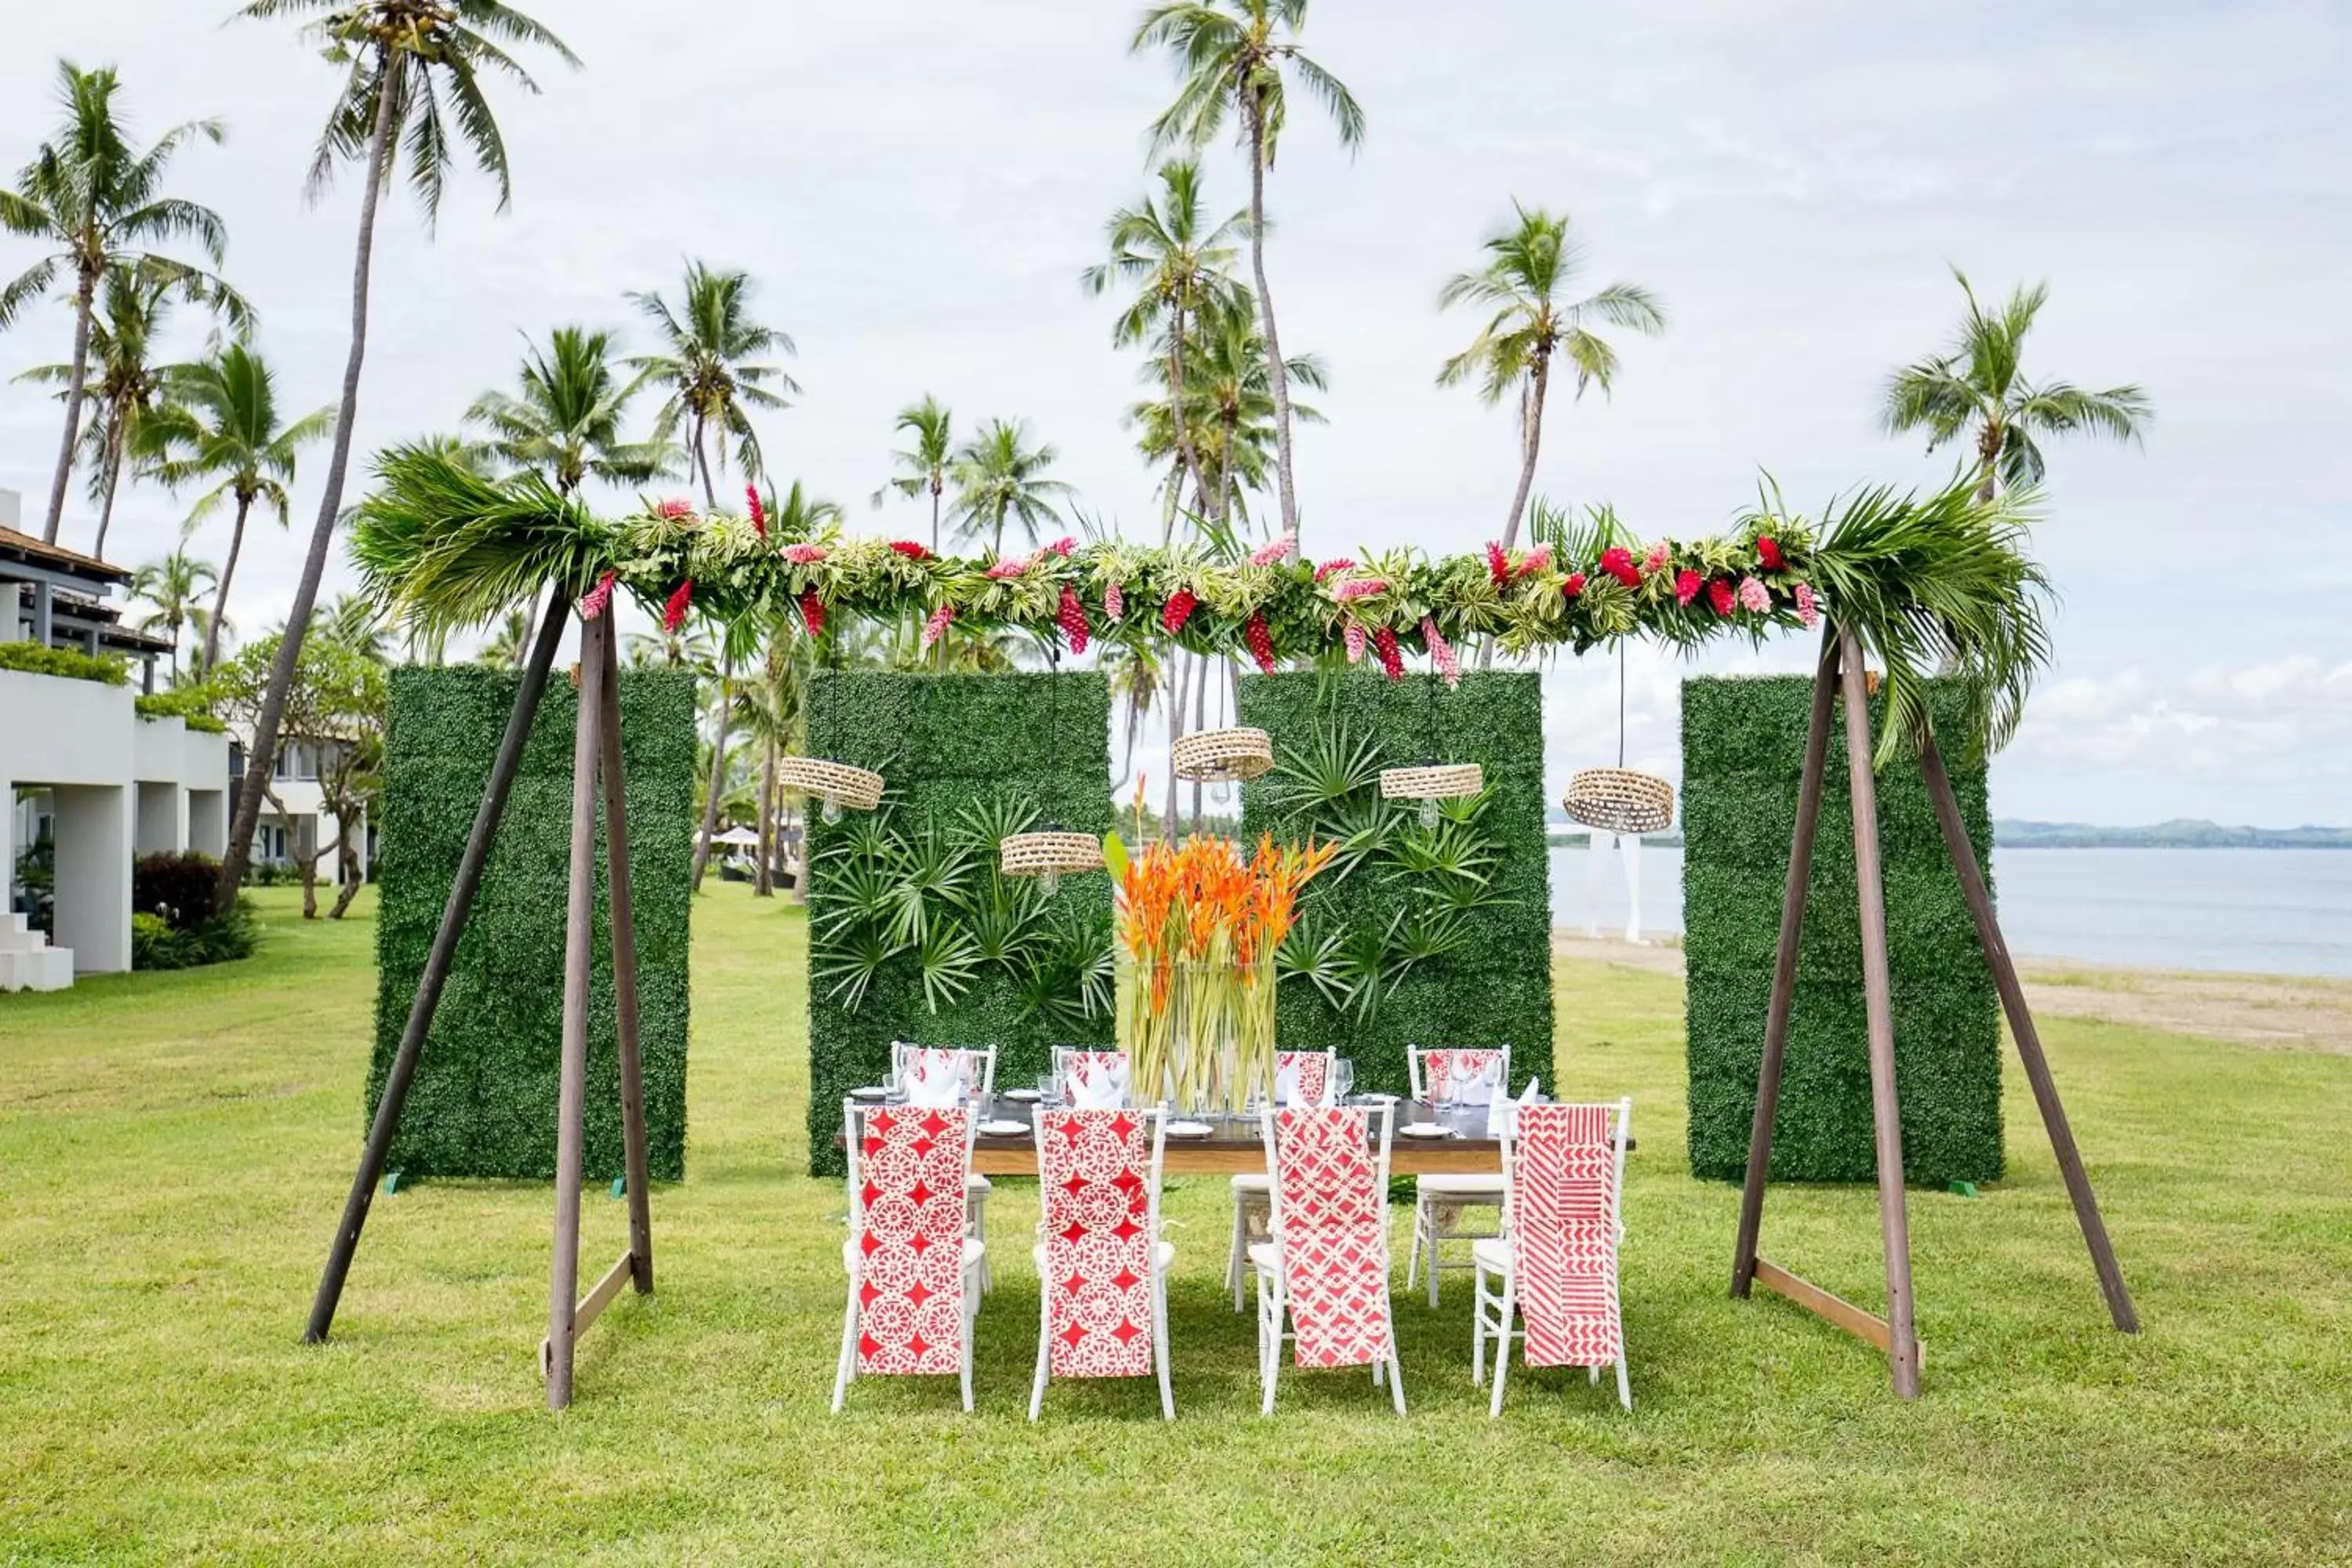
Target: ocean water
[{"x": 2263, "y": 912}]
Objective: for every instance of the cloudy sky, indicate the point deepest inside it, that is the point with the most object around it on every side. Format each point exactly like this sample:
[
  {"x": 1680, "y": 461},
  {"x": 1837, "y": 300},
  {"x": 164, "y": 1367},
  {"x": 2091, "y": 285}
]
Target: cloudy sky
[{"x": 916, "y": 186}]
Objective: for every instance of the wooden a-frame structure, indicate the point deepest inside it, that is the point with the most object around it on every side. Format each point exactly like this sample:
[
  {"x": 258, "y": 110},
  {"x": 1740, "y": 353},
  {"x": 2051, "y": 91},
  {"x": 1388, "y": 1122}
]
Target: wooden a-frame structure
[
  {"x": 1841, "y": 671},
  {"x": 596, "y": 759}
]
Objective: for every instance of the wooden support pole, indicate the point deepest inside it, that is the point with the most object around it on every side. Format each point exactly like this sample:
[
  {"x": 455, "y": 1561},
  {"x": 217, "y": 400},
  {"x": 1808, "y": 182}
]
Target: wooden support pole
[
  {"x": 1833, "y": 1310},
  {"x": 1887, "y": 1114},
  {"x": 1784, "y": 965},
  {"x": 591, "y": 1307},
  {"x": 623, "y": 921},
  {"x": 454, "y": 915},
  {"x": 578, "y": 937},
  {"x": 2028, "y": 1039}
]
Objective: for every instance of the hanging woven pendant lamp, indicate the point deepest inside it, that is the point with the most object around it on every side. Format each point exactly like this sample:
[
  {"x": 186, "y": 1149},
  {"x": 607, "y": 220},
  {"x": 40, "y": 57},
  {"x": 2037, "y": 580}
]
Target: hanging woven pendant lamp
[
  {"x": 1051, "y": 852},
  {"x": 839, "y": 785},
  {"x": 1223, "y": 756},
  {"x": 1430, "y": 782},
  {"x": 1619, "y": 799}
]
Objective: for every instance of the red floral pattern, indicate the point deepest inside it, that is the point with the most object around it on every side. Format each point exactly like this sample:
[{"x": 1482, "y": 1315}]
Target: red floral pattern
[
  {"x": 1095, "y": 1171},
  {"x": 910, "y": 1232},
  {"x": 1334, "y": 1228},
  {"x": 1564, "y": 1235},
  {"x": 1313, "y": 1069}
]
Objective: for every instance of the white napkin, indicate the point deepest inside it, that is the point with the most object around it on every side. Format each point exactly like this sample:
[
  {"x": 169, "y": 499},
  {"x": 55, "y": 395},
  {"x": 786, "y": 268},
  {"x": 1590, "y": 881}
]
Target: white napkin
[
  {"x": 1103, "y": 1088},
  {"x": 934, "y": 1080},
  {"x": 1286, "y": 1083},
  {"x": 1500, "y": 1108},
  {"x": 1477, "y": 1086}
]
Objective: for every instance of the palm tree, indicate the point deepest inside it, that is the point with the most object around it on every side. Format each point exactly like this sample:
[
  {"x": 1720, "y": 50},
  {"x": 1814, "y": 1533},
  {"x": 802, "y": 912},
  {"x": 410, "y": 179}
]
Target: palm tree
[
  {"x": 1230, "y": 409},
  {"x": 998, "y": 479},
  {"x": 355, "y": 622},
  {"x": 925, "y": 468},
  {"x": 1232, "y": 55},
  {"x": 1980, "y": 388},
  {"x": 175, "y": 588},
  {"x": 132, "y": 308},
  {"x": 399, "y": 58},
  {"x": 1178, "y": 267},
  {"x": 219, "y": 425},
  {"x": 88, "y": 193},
  {"x": 564, "y": 420},
  {"x": 1529, "y": 261},
  {"x": 709, "y": 343},
  {"x": 508, "y": 644}
]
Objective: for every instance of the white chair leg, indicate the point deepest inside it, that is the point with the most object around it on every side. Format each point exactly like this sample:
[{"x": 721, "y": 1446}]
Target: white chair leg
[
  {"x": 1271, "y": 1339},
  {"x": 1624, "y": 1384},
  {"x": 1595, "y": 1378},
  {"x": 1237, "y": 1254},
  {"x": 1396, "y": 1372},
  {"x": 847, "y": 1365},
  {"x": 1503, "y": 1347},
  {"x": 1045, "y": 1349},
  {"x": 1160, "y": 1346},
  {"x": 1413, "y": 1258},
  {"x": 1479, "y": 1328}
]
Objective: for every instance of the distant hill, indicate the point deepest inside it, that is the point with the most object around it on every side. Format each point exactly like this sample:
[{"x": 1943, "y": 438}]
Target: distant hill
[{"x": 2183, "y": 832}]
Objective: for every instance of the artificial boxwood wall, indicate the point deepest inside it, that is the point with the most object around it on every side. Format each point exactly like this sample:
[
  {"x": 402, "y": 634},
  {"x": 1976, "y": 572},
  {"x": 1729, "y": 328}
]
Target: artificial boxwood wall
[
  {"x": 941, "y": 741},
  {"x": 1743, "y": 756},
  {"x": 1495, "y": 987},
  {"x": 484, "y": 1099}
]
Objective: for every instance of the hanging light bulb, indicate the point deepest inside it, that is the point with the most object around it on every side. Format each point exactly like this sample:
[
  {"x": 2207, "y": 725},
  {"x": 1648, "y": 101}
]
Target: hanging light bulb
[
  {"x": 832, "y": 809},
  {"x": 1220, "y": 792},
  {"x": 1049, "y": 882},
  {"x": 1429, "y": 812}
]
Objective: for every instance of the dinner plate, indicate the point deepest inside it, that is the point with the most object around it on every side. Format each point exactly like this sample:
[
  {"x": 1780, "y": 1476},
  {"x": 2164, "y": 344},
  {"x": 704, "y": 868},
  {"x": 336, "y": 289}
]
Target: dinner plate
[
  {"x": 1190, "y": 1130},
  {"x": 875, "y": 1091},
  {"x": 1003, "y": 1128},
  {"x": 1425, "y": 1129},
  {"x": 1025, "y": 1096}
]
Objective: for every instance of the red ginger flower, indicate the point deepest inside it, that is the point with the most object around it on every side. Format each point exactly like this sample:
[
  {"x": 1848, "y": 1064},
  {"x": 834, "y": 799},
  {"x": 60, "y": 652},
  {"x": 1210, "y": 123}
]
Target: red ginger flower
[
  {"x": 1499, "y": 565},
  {"x": 813, "y": 613},
  {"x": 1115, "y": 601},
  {"x": 1384, "y": 642},
  {"x": 1338, "y": 564},
  {"x": 910, "y": 549},
  {"x": 593, "y": 602},
  {"x": 1261, "y": 642},
  {"x": 1719, "y": 594},
  {"x": 1768, "y": 551},
  {"x": 1573, "y": 585},
  {"x": 1687, "y": 583},
  {"x": 1179, "y": 610},
  {"x": 1073, "y": 616},
  {"x": 1618, "y": 562},
  {"x": 758, "y": 512},
  {"x": 674, "y": 613}
]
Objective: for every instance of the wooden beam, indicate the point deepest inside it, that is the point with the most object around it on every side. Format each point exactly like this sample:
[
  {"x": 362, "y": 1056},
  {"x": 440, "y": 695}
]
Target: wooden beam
[
  {"x": 2029, "y": 1040},
  {"x": 1877, "y": 990},
  {"x": 579, "y": 934},
  {"x": 1835, "y": 1310},
  {"x": 592, "y": 1306},
  {"x": 623, "y": 921},
  {"x": 1784, "y": 965}
]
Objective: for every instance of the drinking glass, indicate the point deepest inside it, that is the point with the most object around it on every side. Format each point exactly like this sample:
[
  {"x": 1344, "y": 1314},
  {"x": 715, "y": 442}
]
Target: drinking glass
[{"x": 1343, "y": 1080}]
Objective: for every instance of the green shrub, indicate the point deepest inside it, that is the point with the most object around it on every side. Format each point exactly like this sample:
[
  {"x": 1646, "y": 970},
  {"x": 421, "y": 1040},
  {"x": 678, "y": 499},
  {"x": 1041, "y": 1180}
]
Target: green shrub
[
  {"x": 1489, "y": 980},
  {"x": 157, "y": 943},
  {"x": 948, "y": 745},
  {"x": 483, "y": 1101},
  {"x": 1743, "y": 752},
  {"x": 33, "y": 659},
  {"x": 187, "y": 704},
  {"x": 175, "y": 885}
]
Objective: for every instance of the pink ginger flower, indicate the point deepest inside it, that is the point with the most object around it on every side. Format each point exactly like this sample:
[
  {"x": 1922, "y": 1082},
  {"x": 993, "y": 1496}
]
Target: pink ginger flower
[
  {"x": 1359, "y": 587},
  {"x": 1806, "y": 612},
  {"x": 937, "y": 626},
  {"x": 1536, "y": 561},
  {"x": 671, "y": 511},
  {"x": 1755, "y": 597},
  {"x": 1655, "y": 560},
  {"x": 1115, "y": 600},
  {"x": 804, "y": 555},
  {"x": 1275, "y": 551},
  {"x": 1440, "y": 653},
  {"x": 593, "y": 602},
  {"x": 1338, "y": 564},
  {"x": 1062, "y": 546},
  {"x": 1353, "y": 633},
  {"x": 1004, "y": 569}
]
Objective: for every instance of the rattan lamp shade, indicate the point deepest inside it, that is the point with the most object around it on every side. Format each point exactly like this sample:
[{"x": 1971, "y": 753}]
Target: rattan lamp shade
[
  {"x": 858, "y": 789},
  {"x": 1216, "y": 756},
  {"x": 1050, "y": 852},
  {"x": 1431, "y": 780},
  {"x": 1619, "y": 800}
]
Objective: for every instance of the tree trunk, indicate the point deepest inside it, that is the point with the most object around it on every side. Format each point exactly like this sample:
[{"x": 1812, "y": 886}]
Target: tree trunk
[
  {"x": 113, "y": 480},
  {"x": 702, "y": 461},
  {"x": 1225, "y": 470},
  {"x": 717, "y": 767},
  {"x": 1988, "y": 462},
  {"x": 75, "y": 381},
  {"x": 1176, "y": 400},
  {"x": 1530, "y": 444},
  {"x": 936, "y": 488},
  {"x": 1252, "y": 112},
  {"x": 764, "y": 880},
  {"x": 331, "y": 502},
  {"x": 346, "y": 855},
  {"x": 220, "y": 593},
  {"x": 1200, "y": 721},
  {"x": 1175, "y": 733}
]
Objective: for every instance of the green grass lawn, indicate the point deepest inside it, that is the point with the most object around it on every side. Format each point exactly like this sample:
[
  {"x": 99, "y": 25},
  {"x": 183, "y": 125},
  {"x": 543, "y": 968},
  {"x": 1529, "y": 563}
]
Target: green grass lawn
[{"x": 174, "y": 1148}]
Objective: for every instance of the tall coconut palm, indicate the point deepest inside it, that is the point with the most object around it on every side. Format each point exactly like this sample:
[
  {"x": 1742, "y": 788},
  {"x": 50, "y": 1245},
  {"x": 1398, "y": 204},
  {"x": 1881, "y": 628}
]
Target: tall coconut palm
[
  {"x": 1530, "y": 261},
  {"x": 219, "y": 425},
  {"x": 356, "y": 622},
  {"x": 1233, "y": 56},
  {"x": 127, "y": 385},
  {"x": 100, "y": 202},
  {"x": 1978, "y": 389},
  {"x": 400, "y": 60},
  {"x": 707, "y": 363},
  {"x": 564, "y": 418},
  {"x": 923, "y": 468},
  {"x": 1231, "y": 409},
  {"x": 999, "y": 479},
  {"x": 1178, "y": 266},
  {"x": 174, "y": 588}
]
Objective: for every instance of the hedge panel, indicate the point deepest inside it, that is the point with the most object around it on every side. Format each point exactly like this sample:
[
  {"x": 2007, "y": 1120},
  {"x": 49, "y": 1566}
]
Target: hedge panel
[
  {"x": 941, "y": 741},
  {"x": 1743, "y": 757},
  {"x": 1497, "y": 988},
  {"x": 483, "y": 1102}
]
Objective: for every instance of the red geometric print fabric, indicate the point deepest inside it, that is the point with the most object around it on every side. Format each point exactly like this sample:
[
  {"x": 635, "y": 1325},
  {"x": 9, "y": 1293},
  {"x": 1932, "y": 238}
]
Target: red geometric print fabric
[
  {"x": 1314, "y": 1070},
  {"x": 1564, "y": 1235},
  {"x": 1091, "y": 1066},
  {"x": 912, "y": 1164},
  {"x": 1334, "y": 1236},
  {"x": 1437, "y": 1067},
  {"x": 1096, "y": 1174}
]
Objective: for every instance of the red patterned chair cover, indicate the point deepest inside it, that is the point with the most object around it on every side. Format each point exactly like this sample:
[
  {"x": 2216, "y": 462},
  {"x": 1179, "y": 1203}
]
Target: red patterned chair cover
[
  {"x": 1563, "y": 1228},
  {"x": 1075, "y": 1063},
  {"x": 910, "y": 1224},
  {"x": 1437, "y": 1066},
  {"x": 1333, "y": 1220},
  {"x": 1095, "y": 1171},
  {"x": 1313, "y": 1069}
]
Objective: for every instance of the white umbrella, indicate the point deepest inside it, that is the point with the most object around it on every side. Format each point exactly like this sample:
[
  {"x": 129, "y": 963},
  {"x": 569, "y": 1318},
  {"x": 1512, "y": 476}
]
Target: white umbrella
[{"x": 746, "y": 836}]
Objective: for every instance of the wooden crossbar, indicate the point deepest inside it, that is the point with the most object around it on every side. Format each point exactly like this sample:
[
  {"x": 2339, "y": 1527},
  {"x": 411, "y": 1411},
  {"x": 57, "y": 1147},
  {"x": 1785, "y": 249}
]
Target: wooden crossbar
[
  {"x": 592, "y": 1306},
  {"x": 1835, "y": 1310}
]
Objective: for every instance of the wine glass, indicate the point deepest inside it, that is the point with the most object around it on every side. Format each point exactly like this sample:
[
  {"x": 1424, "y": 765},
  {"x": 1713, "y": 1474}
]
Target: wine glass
[{"x": 1343, "y": 1080}]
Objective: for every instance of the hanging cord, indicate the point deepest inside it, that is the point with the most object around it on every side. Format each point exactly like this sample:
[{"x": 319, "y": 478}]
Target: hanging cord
[
  {"x": 1621, "y": 703},
  {"x": 1052, "y": 734}
]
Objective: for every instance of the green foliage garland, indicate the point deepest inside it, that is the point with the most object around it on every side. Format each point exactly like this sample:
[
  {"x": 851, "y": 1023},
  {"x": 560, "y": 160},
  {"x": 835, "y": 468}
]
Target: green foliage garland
[
  {"x": 1743, "y": 752},
  {"x": 483, "y": 1102},
  {"x": 1456, "y": 923},
  {"x": 960, "y": 754}
]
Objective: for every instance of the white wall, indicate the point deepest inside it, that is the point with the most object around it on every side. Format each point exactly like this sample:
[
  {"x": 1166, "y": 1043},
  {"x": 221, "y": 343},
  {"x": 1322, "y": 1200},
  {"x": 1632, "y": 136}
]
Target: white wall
[{"x": 93, "y": 890}]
